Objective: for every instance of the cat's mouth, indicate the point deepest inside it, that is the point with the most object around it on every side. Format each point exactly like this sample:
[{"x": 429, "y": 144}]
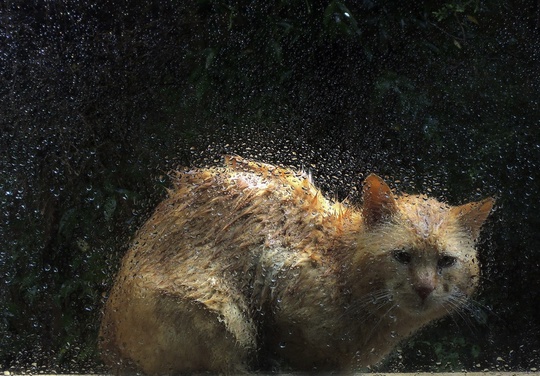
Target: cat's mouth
[{"x": 415, "y": 304}]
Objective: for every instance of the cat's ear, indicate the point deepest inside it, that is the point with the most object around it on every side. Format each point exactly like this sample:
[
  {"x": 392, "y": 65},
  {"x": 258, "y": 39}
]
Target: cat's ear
[
  {"x": 473, "y": 215},
  {"x": 378, "y": 201}
]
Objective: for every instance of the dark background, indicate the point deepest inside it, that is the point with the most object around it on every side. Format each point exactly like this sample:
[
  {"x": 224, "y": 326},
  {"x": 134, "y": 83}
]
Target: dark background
[{"x": 99, "y": 100}]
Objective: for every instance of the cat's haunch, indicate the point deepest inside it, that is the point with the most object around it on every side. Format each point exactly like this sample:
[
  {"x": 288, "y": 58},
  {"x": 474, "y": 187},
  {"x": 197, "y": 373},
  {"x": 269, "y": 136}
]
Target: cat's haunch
[{"x": 249, "y": 267}]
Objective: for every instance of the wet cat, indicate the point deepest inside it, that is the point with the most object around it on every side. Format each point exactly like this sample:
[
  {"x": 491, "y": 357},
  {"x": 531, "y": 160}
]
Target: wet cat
[{"x": 249, "y": 267}]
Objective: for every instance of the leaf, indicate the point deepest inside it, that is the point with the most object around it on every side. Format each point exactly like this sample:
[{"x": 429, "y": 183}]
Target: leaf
[
  {"x": 278, "y": 53},
  {"x": 109, "y": 208},
  {"x": 338, "y": 16},
  {"x": 67, "y": 222},
  {"x": 457, "y": 44},
  {"x": 472, "y": 19},
  {"x": 211, "y": 54}
]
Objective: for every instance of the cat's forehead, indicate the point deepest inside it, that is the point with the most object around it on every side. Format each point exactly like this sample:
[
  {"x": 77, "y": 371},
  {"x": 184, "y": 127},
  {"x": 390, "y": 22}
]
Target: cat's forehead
[
  {"x": 421, "y": 224},
  {"x": 425, "y": 216}
]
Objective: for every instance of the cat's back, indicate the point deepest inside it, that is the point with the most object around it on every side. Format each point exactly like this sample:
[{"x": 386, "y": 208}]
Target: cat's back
[{"x": 226, "y": 213}]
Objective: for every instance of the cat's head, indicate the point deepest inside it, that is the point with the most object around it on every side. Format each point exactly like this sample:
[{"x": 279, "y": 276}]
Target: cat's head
[{"x": 422, "y": 252}]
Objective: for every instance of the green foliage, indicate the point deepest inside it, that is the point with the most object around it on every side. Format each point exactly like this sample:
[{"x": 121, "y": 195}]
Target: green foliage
[
  {"x": 456, "y": 9},
  {"x": 338, "y": 20}
]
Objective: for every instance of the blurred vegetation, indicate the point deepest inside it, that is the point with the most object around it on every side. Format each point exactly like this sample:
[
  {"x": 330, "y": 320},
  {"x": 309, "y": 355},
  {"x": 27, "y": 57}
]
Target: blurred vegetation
[{"x": 99, "y": 100}]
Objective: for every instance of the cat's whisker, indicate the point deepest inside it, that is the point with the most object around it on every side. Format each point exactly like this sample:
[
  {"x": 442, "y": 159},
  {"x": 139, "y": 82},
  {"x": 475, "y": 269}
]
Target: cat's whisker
[
  {"x": 480, "y": 312},
  {"x": 372, "y": 313},
  {"x": 450, "y": 311},
  {"x": 368, "y": 308},
  {"x": 460, "y": 306},
  {"x": 368, "y": 337},
  {"x": 371, "y": 302},
  {"x": 373, "y": 298},
  {"x": 483, "y": 279},
  {"x": 454, "y": 313}
]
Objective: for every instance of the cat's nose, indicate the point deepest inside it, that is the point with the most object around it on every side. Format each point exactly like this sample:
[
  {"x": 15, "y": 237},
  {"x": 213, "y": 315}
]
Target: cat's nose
[{"x": 424, "y": 291}]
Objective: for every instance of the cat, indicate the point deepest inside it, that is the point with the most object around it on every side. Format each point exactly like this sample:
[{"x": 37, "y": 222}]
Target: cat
[{"x": 249, "y": 267}]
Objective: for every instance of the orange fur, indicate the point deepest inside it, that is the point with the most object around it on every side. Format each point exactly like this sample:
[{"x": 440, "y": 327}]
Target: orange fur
[{"x": 248, "y": 266}]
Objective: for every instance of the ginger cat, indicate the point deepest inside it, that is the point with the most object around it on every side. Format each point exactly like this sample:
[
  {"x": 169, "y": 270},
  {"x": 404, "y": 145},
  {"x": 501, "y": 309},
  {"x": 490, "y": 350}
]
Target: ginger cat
[{"x": 249, "y": 267}]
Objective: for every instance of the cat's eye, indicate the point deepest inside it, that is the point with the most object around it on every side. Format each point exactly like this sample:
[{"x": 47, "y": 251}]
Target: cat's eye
[
  {"x": 446, "y": 261},
  {"x": 403, "y": 257}
]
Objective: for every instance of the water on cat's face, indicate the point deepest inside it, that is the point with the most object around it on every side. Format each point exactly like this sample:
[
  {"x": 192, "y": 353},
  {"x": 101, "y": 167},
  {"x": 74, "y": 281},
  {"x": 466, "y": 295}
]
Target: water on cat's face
[{"x": 431, "y": 281}]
